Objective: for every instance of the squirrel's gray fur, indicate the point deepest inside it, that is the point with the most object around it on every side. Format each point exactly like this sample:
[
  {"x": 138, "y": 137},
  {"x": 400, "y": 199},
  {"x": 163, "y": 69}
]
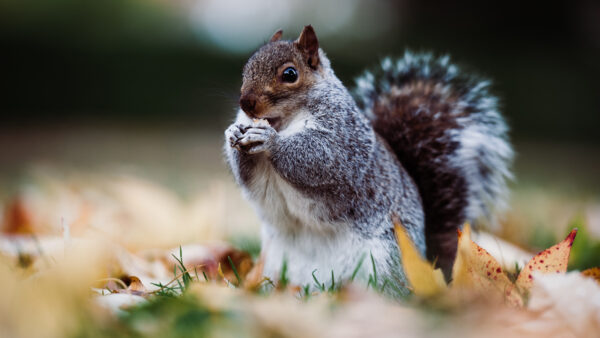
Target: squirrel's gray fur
[{"x": 328, "y": 175}]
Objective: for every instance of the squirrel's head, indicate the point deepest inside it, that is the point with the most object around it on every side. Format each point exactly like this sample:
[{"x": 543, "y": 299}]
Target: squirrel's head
[{"x": 277, "y": 76}]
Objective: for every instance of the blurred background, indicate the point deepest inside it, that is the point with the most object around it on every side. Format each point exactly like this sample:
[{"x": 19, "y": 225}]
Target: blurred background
[{"x": 135, "y": 94}]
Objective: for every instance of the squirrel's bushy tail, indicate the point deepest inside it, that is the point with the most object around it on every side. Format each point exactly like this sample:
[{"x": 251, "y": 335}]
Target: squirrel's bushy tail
[{"x": 446, "y": 130}]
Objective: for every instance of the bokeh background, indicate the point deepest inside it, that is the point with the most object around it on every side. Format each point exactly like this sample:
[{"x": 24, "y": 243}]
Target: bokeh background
[{"x": 95, "y": 91}]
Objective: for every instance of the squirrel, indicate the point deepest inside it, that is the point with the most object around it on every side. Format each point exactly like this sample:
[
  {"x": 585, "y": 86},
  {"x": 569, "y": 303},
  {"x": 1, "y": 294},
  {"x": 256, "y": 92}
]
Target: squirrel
[{"x": 328, "y": 171}]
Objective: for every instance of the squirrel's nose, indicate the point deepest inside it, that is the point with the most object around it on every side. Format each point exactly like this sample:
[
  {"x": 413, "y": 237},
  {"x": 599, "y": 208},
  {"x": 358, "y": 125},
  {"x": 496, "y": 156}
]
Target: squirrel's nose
[{"x": 248, "y": 103}]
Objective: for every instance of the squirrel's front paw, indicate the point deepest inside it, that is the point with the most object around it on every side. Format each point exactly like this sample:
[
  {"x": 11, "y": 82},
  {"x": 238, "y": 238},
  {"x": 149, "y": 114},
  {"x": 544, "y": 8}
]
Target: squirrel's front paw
[
  {"x": 233, "y": 134},
  {"x": 257, "y": 138}
]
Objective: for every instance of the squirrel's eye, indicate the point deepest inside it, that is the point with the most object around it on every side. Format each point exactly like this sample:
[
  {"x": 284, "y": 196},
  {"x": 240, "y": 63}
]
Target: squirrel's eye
[{"x": 290, "y": 75}]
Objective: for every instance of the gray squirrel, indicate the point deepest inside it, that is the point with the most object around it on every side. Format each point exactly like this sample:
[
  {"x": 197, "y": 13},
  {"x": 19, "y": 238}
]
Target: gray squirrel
[{"x": 420, "y": 142}]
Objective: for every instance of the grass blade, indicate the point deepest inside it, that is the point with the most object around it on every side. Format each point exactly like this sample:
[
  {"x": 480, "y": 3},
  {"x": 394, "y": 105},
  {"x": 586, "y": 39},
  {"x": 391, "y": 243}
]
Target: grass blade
[{"x": 235, "y": 272}]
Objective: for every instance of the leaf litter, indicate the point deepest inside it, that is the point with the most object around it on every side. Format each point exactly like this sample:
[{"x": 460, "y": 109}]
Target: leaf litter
[{"x": 211, "y": 287}]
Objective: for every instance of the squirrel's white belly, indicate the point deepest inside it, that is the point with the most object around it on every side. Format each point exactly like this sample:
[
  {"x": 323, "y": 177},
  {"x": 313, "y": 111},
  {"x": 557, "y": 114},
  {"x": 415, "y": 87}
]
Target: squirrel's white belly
[
  {"x": 294, "y": 230},
  {"x": 283, "y": 206},
  {"x": 327, "y": 257}
]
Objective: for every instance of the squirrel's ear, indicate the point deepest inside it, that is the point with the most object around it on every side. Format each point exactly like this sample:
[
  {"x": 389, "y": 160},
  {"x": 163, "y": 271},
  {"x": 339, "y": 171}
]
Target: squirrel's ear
[
  {"x": 309, "y": 45},
  {"x": 276, "y": 36}
]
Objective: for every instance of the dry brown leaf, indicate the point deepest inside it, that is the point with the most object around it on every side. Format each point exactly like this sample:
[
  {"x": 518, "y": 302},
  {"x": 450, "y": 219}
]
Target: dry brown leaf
[
  {"x": 255, "y": 277},
  {"x": 423, "y": 278},
  {"x": 241, "y": 260},
  {"x": 592, "y": 273},
  {"x": 551, "y": 260},
  {"x": 17, "y": 217},
  {"x": 477, "y": 272},
  {"x": 136, "y": 287}
]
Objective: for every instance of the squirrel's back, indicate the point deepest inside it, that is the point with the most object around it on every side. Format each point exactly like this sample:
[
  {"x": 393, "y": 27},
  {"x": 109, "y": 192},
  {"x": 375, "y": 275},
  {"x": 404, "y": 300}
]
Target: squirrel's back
[{"x": 445, "y": 128}]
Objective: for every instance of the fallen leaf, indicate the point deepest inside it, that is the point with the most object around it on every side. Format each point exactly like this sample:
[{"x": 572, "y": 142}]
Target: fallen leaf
[
  {"x": 565, "y": 304},
  {"x": 506, "y": 253},
  {"x": 592, "y": 273},
  {"x": 241, "y": 260},
  {"x": 227, "y": 282},
  {"x": 255, "y": 277},
  {"x": 478, "y": 273},
  {"x": 136, "y": 287},
  {"x": 17, "y": 217},
  {"x": 423, "y": 278},
  {"x": 551, "y": 260}
]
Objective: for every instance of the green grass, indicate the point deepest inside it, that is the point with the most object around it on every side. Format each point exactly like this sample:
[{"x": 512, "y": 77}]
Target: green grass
[
  {"x": 235, "y": 272},
  {"x": 182, "y": 278}
]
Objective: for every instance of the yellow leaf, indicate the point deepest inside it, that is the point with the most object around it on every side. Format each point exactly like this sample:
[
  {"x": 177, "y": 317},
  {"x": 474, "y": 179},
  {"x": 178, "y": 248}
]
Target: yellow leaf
[
  {"x": 477, "y": 272},
  {"x": 592, "y": 273},
  {"x": 425, "y": 281},
  {"x": 222, "y": 275},
  {"x": 220, "y": 271},
  {"x": 551, "y": 260}
]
